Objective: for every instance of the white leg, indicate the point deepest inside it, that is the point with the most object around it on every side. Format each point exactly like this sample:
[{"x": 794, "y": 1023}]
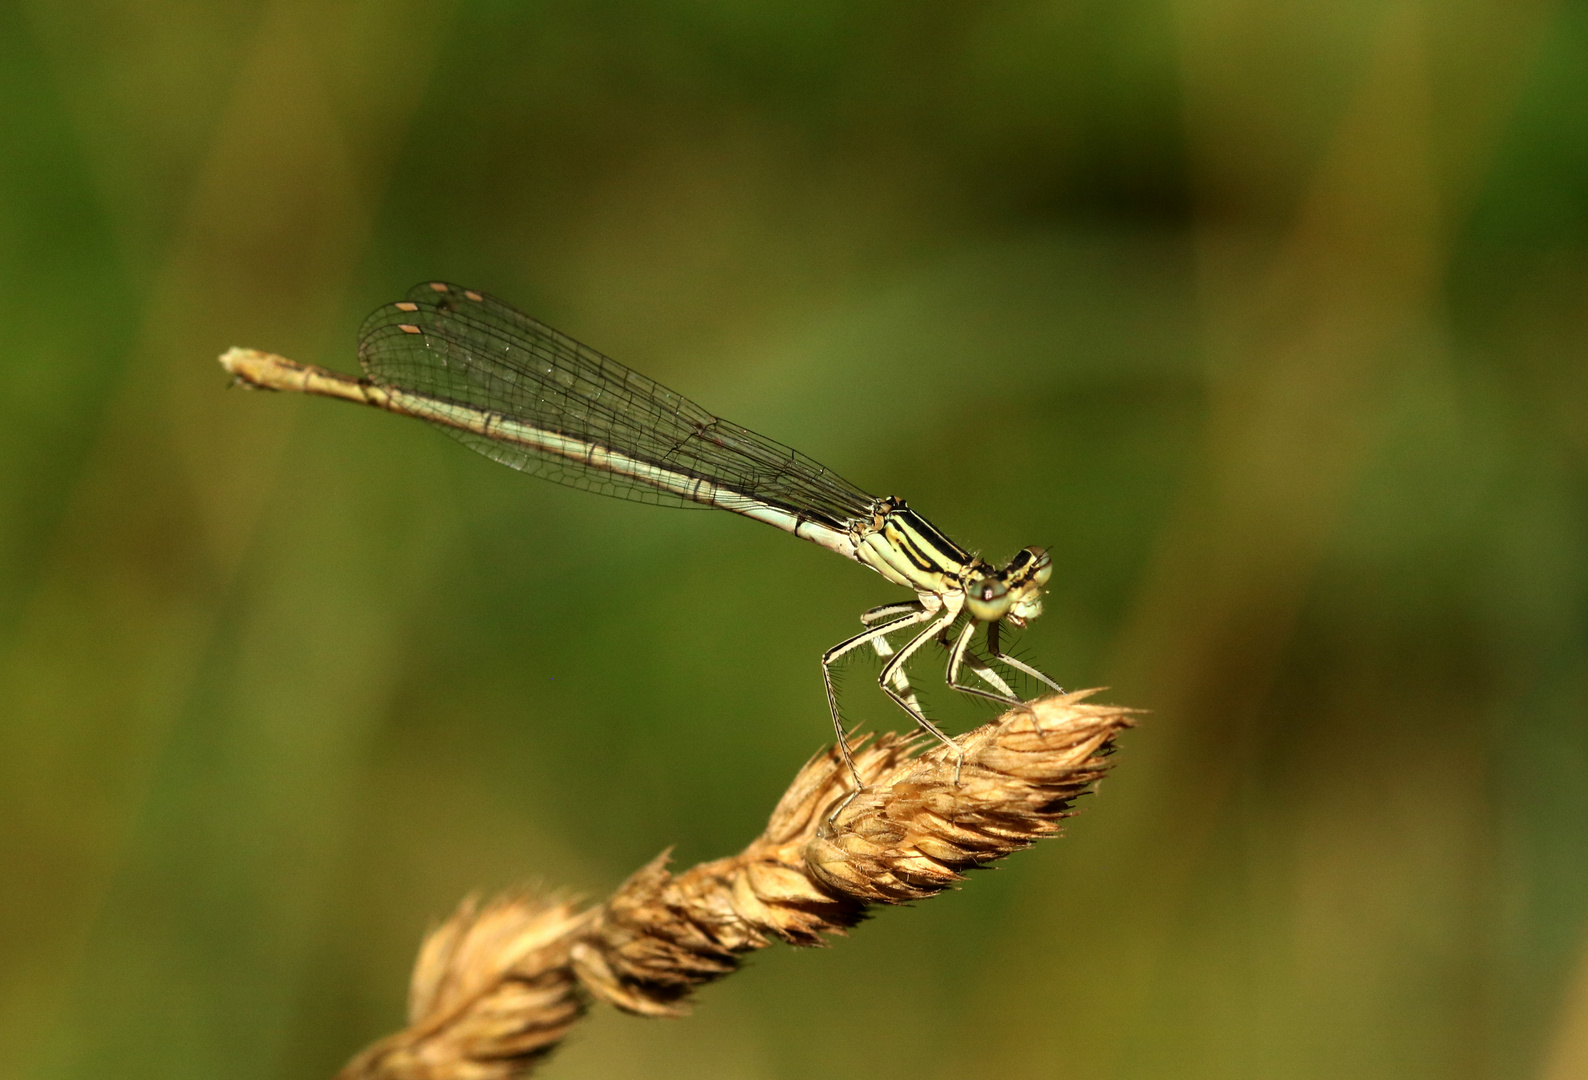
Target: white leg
[
  {"x": 831, "y": 655},
  {"x": 898, "y": 661},
  {"x": 1004, "y": 658},
  {"x": 1001, "y": 691},
  {"x": 901, "y": 681}
]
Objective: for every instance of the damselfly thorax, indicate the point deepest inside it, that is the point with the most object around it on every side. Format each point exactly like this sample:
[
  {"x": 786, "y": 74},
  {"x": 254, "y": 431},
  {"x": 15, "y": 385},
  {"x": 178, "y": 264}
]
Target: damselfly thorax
[{"x": 534, "y": 399}]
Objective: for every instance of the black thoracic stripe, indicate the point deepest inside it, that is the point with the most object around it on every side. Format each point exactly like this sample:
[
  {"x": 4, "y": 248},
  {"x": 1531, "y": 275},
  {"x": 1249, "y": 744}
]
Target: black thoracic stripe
[
  {"x": 913, "y": 527},
  {"x": 945, "y": 547}
]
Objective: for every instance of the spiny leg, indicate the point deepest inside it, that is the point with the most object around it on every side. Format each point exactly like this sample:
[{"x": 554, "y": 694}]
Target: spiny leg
[
  {"x": 1004, "y": 658},
  {"x": 890, "y": 611},
  {"x": 898, "y": 662},
  {"x": 901, "y": 680},
  {"x": 832, "y": 654},
  {"x": 1000, "y": 693},
  {"x": 978, "y": 666}
]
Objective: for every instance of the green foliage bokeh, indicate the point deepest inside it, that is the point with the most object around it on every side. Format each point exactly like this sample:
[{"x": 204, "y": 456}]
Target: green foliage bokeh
[{"x": 1268, "y": 320}]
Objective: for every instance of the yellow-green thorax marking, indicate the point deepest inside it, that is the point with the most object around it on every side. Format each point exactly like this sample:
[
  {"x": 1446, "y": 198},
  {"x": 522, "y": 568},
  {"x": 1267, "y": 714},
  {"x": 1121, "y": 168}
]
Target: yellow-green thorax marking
[{"x": 908, "y": 550}]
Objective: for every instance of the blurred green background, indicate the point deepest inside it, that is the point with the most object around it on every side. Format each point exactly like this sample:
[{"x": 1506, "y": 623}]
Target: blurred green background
[{"x": 1268, "y": 318}]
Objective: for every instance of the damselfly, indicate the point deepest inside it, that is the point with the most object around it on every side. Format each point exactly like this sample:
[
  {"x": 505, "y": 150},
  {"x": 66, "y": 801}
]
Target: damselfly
[{"x": 529, "y": 397}]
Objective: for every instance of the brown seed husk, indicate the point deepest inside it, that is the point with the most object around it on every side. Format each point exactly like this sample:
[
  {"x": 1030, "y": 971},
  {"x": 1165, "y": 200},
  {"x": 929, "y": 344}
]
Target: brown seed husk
[{"x": 497, "y": 987}]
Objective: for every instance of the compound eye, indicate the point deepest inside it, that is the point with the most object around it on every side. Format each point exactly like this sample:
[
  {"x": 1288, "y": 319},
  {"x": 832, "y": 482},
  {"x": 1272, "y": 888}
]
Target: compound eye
[
  {"x": 1044, "y": 565},
  {"x": 987, "y": 600}
]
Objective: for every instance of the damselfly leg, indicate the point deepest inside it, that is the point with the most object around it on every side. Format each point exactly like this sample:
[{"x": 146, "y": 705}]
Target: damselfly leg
[
  {"x": 1004, "y": 658},
  {"x": 910, "y": 615},
  {"x": 901, "y": 680},
  {"x": 962, "y": 651},
  {"x": 907, "y": 702}
]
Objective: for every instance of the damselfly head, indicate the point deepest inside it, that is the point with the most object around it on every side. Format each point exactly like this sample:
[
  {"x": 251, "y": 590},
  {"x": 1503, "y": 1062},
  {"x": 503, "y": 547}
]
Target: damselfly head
[{"x": 1023, "y": 579}]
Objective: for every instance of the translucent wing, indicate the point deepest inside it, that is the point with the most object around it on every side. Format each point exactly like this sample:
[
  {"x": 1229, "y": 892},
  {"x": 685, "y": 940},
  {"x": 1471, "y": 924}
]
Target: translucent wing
[{"x": 468, "y": 348}]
